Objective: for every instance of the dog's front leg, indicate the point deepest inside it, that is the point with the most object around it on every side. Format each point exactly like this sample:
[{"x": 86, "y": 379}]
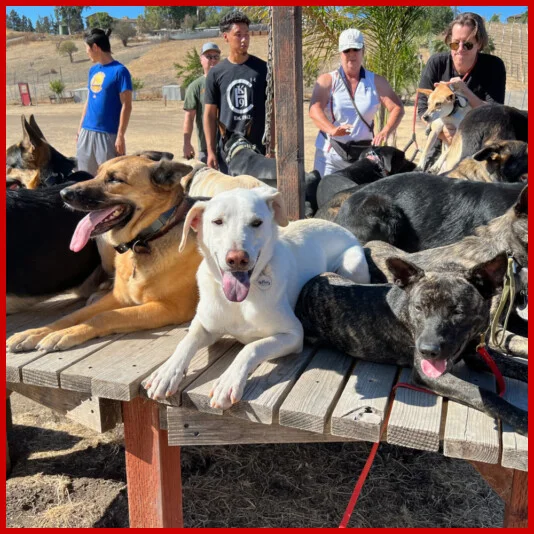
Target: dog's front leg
[
  {"x": 479, "y": 398},
  {"x": 164, "y": 381},
  {"x": 429, "y": 145},
  {"x": 228, "y": 389},
  {"x": 29, "y": 339},
  {"x": 506, "y": 365}
]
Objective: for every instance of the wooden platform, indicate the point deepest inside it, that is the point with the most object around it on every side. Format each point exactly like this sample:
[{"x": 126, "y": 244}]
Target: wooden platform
[{"x": 315, "y": 396}]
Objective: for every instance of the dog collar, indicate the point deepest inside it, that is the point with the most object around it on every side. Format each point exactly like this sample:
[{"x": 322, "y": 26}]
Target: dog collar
[
  {"x": 459, "y": 102},
  {"x": 240, "y": 145},
  {"x": 166, "y": 221},
  {"x": 375, "y": 158}
]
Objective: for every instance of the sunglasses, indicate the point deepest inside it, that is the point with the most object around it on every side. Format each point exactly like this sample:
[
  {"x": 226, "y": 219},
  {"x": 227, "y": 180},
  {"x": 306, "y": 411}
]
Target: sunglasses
[
  {"x": 212, "y": 57},
  {"x": 467, "y": 45}
]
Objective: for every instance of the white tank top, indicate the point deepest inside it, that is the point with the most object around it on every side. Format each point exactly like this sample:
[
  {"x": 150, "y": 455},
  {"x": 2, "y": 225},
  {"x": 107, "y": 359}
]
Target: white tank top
[{"x": 367, "y": 100}]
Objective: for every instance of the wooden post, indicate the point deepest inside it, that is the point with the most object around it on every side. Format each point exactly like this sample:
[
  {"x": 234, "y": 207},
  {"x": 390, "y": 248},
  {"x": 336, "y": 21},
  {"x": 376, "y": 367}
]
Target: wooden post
[
  {"x": 516, "y": 509},
  {"x": 288, "y": 106},
  {"x": 153, "y": 473}
]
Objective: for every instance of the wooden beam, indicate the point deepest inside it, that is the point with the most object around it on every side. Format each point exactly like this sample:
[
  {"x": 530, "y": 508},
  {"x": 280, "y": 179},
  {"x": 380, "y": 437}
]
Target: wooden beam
[
  {"x": 288, "y": 105},
  {"x": 516, "y": 509},
  {"x": 153, "y": 473}
]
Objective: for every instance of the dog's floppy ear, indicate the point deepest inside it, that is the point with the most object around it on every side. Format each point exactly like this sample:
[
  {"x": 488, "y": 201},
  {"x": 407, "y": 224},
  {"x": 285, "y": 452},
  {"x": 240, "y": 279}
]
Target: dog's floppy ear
[
  {"x": 192, "y": 220},
  {"x": 521, "y": 206},
  {"x": 424, "y": 91},
  {"x": 276, "y": 204},
  {"x": 167, "y": 173},
  {"x": 404, "y": 273},
  {"x": 488, "y": 276}
]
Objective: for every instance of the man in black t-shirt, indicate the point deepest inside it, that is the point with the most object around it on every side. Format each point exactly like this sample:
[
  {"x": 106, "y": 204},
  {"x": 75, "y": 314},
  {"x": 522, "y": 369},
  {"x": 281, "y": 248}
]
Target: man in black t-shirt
[{"x": 235, "y": 90}]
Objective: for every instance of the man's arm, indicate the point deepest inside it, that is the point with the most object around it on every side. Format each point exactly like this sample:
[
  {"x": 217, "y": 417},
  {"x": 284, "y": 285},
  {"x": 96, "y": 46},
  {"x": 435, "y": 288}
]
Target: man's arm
[
  {"x": 126, "y": 110},
  {"x": 209, "y": 121},
  {"x": 189, "y": 120}
]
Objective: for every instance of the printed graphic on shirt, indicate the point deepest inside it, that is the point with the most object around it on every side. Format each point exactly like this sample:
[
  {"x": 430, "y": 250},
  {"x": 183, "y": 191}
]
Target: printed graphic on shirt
[
  {"x": 97, "y": 81},
  {"x": 237, "y": 96}
]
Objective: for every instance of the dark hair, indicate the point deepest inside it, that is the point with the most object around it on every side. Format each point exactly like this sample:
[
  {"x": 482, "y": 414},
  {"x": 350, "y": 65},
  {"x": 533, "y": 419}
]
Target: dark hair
[
  {"x": 99, "y": 37},
  {"x": 474, "y": 21},
  {"x": 234, "y": 17}
]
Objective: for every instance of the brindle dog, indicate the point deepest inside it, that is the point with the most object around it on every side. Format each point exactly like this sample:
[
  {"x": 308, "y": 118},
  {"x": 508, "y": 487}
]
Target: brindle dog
[
  {"x": 427, "y": 321},
  {"x": 504, "y": 161}
]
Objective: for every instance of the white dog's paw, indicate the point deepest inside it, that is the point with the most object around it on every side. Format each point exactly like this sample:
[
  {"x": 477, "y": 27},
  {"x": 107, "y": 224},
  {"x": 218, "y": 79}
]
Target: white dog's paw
[
  {"x": 164, "y": 381},
  {"x": 227, "y": 390}
]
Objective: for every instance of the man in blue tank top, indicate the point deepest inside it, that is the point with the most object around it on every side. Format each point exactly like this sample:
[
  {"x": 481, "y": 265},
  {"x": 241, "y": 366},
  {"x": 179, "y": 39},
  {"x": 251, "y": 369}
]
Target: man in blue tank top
[{"x": 108, "y": 106}]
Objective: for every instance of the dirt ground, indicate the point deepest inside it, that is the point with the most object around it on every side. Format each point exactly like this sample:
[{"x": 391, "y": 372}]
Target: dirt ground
[{"x": 65, "y": 475}]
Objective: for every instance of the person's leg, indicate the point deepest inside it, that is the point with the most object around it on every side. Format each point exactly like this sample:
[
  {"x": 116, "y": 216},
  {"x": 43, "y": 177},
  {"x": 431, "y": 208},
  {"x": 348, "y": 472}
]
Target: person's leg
[
  {"x": 334, "y": 162},
  {"x": 85, "y": 152},
  {"x": 104, "y": 144},
  {"x": 319, "y": 162}
]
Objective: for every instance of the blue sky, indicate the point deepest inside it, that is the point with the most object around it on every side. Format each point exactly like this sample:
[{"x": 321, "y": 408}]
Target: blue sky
[{"x": 33, "y": 12}]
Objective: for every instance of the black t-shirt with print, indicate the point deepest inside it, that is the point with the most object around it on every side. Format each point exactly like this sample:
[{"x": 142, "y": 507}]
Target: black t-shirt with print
[{"x": 238, "y": 90}]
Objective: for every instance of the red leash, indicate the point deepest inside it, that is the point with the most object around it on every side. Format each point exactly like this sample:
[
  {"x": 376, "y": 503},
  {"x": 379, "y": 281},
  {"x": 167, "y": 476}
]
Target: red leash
[{"x": 501, "y": 387}]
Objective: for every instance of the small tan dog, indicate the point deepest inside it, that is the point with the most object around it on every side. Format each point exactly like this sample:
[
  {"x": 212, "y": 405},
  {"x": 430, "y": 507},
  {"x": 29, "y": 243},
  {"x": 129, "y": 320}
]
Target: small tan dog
[
  {"x": 445, "y": 108},
  {"x": 139, "y": 207}
]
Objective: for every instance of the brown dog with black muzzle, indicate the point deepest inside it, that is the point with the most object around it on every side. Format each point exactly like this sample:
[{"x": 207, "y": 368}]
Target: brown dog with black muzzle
[{"x": 139, "y": 206}]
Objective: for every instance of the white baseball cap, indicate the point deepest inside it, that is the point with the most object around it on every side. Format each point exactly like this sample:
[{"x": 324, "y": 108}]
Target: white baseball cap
[{"x": 350, "y": 38}]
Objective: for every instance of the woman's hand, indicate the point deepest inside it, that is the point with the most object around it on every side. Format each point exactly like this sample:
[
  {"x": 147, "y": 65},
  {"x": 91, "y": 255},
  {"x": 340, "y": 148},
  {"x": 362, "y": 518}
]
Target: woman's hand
[
  {"x": 457, "y": 85},
  {"x": 342, "y": 129},
  {"x": 380, "y": 137}
]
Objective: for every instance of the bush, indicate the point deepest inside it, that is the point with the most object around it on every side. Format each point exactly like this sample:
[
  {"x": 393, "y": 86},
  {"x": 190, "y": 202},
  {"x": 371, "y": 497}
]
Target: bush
[
  {"x": 124, "y": 31},
  {"x": 191, "y": 70},
  {"x": 57, "y": 87},
  {"x": 137, "y": 84}
]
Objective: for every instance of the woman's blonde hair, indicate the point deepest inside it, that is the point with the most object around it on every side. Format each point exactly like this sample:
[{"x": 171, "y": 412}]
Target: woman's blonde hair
[{"x": 474, "y": 21}]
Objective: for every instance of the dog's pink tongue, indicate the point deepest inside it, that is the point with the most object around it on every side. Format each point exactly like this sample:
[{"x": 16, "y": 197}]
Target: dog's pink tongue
[
  {"x": 433, "y": 369},
  {"x": 86, "y": 226},
  {"x": 236, "y": 286}
]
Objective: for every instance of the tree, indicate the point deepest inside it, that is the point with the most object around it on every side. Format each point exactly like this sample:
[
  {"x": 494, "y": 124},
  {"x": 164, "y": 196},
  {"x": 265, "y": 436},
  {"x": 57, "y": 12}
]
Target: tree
[
  {"x": 188, "y": 23},
  {"x": 158, "y": 17},
  {"x": 496, "y": 17},
  {"x": 99, "y": 20},
  {"x": 191, "y": 70},
  {"x": 13, "y": 21},
  {"x": 67, "y": 48},
  {"x": 71, "y": 16},
  {"x": 26, "y": 24},
  {"x": 124, "y": 31}
]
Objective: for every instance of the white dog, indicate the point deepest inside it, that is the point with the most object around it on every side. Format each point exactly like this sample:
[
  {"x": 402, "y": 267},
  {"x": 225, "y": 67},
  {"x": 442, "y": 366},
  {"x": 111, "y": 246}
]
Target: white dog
[{"x": 249, "y": 282}]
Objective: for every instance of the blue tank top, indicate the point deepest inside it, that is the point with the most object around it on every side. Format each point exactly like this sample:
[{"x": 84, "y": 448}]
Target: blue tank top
[{"x": 106, "y": 83}]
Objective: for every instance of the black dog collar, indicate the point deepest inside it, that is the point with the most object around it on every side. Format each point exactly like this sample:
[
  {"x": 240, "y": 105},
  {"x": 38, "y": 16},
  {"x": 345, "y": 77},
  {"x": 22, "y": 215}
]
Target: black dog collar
[{"x": 240, "y": 145}]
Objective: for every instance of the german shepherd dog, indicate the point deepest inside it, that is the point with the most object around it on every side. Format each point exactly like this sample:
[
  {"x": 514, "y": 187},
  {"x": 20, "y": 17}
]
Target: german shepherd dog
[
  {"x": 37, "y": 162},
  {"x": 242, "y": 157},
  {"x": 139, "y": 205},
  {"x": 502, "y": 161},
  {"x": 483, "y": 126},
  {"x": 38, "y": 260},
  {"x": 415, "y": 211},
  {"x": 427, "y": 321}
]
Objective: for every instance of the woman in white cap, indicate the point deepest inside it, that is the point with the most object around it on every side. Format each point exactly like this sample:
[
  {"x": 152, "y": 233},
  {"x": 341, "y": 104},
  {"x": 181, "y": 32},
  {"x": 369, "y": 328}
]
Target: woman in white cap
[{"x": 343, "y": 106}]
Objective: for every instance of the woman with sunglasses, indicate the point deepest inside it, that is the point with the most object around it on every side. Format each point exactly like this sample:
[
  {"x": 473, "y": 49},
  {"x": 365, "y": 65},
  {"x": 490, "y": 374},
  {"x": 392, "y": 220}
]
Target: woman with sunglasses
[
  {"x": 343, "y": 105},
  {"x": 481, "y": 78}
]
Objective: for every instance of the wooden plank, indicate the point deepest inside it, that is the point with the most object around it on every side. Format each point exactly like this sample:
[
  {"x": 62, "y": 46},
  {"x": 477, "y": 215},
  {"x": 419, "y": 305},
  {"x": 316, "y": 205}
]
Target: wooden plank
[
  {"x": 360, "y": 411},
  {"x": 415, "y": 418},
  {"x": 123, "y": 353},
  {"x": 93, "y": 412},
  {"x": 46, "y": 370},
  {"x": 311, "y": 400},
  {"x": 471, "y": 434},
  {"x": 515, "y": 446},
  {"x": 268, "y": 386},
  {"x": 203, "y": 359},
  {"x": 265, "y": 390},
  {"x": 153, "y": 471},
  {"x": 516, "y": 509},
  {"x": 288, "y": 104},
  {"x": 191, "y": 427}
]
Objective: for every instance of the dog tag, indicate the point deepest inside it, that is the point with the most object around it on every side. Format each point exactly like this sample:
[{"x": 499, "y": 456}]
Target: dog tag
[{"x": 264, "y": 282}]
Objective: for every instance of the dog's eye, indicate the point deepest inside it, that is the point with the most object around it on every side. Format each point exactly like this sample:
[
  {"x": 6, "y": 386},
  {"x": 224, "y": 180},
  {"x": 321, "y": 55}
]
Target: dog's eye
[
  {"x": 418, "y": 308},
  {"x": 114, "y": 180},
  {"x": 218, "y": 222},
  {"x": 256, "y": 223}
]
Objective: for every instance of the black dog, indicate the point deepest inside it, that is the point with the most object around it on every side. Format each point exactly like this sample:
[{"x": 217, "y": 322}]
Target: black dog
[
  {"x": 242, "y": 157},
  {"x": 35, "y": 153},
  {"x": 424, "y": 321},
  {"x": 374, "y": 163},
  {"x": 38, "y": 261},
  {"x": 415, "y": 211}
]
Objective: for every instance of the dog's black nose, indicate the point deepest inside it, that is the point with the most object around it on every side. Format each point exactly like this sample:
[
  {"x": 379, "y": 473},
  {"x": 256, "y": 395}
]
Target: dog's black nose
[
  {"x": 429, "y": 349},
  {"x": 67, "y": 194},
  {"x": 237, "y": 259}
]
